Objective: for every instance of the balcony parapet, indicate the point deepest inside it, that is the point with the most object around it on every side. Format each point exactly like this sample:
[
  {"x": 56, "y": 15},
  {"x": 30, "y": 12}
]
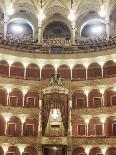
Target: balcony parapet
[
  {"x": 94, "y": 142},
  {"x": 38, "y": 85},
  {"x": 34, "y": 140},
  {"x": 16, "y": 111},
  {"x": 110, "y": 111},
  {"x": 54, "y": 140},
  {"x": 19, "y": 140}
]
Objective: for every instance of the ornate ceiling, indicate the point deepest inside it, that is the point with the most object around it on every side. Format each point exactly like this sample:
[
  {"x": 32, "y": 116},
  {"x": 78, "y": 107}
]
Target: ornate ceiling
[
  {"x": 59, "y": 9},
  {"x": 59, "y": 6}
]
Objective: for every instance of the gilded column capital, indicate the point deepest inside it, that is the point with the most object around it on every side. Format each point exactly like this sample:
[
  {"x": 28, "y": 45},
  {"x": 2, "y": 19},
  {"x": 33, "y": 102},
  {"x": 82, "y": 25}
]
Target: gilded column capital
[
  {"x": 70, "y": 96},
  {"x": 40, "y": 95}
]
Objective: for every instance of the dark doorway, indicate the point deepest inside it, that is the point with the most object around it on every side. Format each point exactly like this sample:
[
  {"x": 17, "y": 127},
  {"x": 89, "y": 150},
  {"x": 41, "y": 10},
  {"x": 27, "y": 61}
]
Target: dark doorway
[{"x": 54, "y": 150}]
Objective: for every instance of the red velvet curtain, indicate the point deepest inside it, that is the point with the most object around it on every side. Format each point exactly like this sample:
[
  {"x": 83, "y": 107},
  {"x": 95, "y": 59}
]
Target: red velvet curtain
[{"x": 55, "y": 101}]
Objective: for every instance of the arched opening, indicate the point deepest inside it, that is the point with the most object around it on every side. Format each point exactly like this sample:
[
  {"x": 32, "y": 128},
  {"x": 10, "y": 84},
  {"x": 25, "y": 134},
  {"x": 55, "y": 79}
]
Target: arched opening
[
  {"x": 95, "y": 98},
  {"x": 56, "y": 29},
  {"x": 79, "y": 72},
  {"x": 78, "y": 151},
  {"x": 79, "y": 128},
  {"x": 95, "y": 127},
  {"x": 30, "y": 127},
  {"x": 93, "y": 28},
  {"x": 33, "y": 72},
  {"x": 19, "y": 28},
  {"x": 64, "y": 72},
  {"x": 79, "y": 99},
  {"x": 13, "y": 150},
  {"x": 1, "y": 151},
  {"x": 2, "y": 126},
  {"x": 17, "y": 70},
  {"x": 110, "y": 126},
  {"x": 47, "y": 71},
  {"x": 95, "y": 150},
  {"x": 111, "y": 151},
  {"x": 14, "y": 127},
  {"x": 32, "y": 99},
  {"x": 3, "y": 96},
  {"x": 109, "y": 69},
  {"x": 110, "y": 97},
  {"x": 16, "y": 98},
  {"x": 4, "y": 68},
  {"x": 31, "y": 150},
  {"x": 94, "y": 71}
]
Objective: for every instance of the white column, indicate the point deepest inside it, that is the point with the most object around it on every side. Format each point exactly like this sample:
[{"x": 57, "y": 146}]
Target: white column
[
  {"x": 39, "y": 150},
  {"x": 5, "y": 25},
  {"x": 102, "y": 71},
  {"x": 87, "y": 119},
  {"x": 87, "y": 128},
  {"x": 103, "y": 99},
  {"x": 7, "y": 103},
  {"x": 103, "y": 126},
  {"x": 55, "y": 73},
  {"x": 103, "y": 120},
  {"x": 40, "y": 116},
  {"x": 87, "y": 149},
  {"x": 87, "y": 100},
  {"x": 71, "y": 73},
  {"x": 107, "y": 29},
  {"x": 102, "y": 91},
  {"x": 6, "y": 127},
  {"x": 23, "y": 100},
  {"x": 40, "y": 73},
  {"x": 73, "y": 24},
  {"x": 69, "y": 150},
  {"x": 86, "y": 73},
  {"x": 22, "y": 129},
  {"x": 40, "y": 33},
  {"x": 9, "y": 70},
  {"x": 23, "y": 118},
  {"x": 24, "y": 72},
  {"x": 69, "y": 119}
]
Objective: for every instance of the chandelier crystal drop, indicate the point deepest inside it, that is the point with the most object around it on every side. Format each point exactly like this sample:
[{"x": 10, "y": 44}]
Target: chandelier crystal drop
[
  {"x": 71, "y": 15},
  {"x": 10, "y": 10},
  {"x": 55, "y": 113},
  {"x": 41, "y": 16},
  {"x": 102, "y": 11}
]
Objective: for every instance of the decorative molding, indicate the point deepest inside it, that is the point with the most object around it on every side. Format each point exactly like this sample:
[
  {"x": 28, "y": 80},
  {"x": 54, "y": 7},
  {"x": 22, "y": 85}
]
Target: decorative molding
[
  {"x": 19, "y": 140},
  {"x": 16, "y": 111},
  {"x": 77, "y": 113},
  {"x": 94, "y": 142},
  {"x": 54, "y": 140}
]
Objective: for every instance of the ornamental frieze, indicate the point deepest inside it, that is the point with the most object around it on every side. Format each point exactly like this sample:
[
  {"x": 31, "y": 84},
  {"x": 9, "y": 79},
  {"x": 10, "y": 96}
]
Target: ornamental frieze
[
  {"x": 94, "y": 141},
  {"x": 19, "y": 110},
  {"x": 72, "y": 86},
  {"x": 54, "y": 140},
  {"x": 76, "y": 113},
  {"x": 19, "y": 140}
]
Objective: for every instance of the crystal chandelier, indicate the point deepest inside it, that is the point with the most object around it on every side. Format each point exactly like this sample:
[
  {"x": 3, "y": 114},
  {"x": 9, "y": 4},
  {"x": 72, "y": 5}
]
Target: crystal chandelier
[
  {"x": 54, "y": 113},
  {"x": 10, "y": 9},
  {"x": 102, "y": 11},
  {"x": 41, "y": 16},
  {"x": 72, "y": 15}
]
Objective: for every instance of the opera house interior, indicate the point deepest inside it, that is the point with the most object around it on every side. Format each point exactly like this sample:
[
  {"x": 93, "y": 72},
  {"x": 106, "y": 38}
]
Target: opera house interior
[{"x": 57, "y": 77}]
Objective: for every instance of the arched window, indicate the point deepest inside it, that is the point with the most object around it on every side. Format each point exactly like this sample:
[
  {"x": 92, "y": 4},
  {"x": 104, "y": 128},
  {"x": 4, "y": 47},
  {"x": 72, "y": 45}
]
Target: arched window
[{"x": 93, "y": 28}]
